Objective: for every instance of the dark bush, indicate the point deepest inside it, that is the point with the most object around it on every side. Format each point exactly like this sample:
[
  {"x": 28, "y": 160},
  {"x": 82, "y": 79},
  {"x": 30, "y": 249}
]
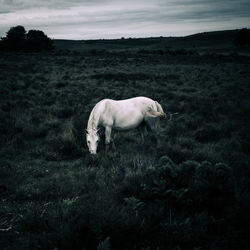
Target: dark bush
[
  {"x": 18, "y": 40},
  {"x": 36, "y": 40},
  {"x": 15, "y": 39},
  {"x": 196, "y": 197},
  {"x": 242, "y": 38}
]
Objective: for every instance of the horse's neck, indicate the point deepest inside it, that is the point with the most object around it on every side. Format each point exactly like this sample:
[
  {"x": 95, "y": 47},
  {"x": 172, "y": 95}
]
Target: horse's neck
[{"x": 93, "y": 119}]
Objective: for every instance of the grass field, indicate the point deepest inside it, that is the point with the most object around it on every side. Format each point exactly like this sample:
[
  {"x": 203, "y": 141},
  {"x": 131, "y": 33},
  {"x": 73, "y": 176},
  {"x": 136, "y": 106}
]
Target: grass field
[{"x": 190, "y": 193}]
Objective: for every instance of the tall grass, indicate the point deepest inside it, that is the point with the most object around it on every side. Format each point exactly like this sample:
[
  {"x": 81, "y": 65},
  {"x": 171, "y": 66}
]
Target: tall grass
[{"x": 189, "y": 193}]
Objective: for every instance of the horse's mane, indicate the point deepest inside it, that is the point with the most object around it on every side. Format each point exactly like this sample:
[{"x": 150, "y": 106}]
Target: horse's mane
[{"x": 93, "y": 119}]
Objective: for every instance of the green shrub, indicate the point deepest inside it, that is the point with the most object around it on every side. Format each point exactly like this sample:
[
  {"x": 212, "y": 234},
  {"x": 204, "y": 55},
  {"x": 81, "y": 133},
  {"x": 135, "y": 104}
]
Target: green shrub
[{"x": 65, "y": 144}]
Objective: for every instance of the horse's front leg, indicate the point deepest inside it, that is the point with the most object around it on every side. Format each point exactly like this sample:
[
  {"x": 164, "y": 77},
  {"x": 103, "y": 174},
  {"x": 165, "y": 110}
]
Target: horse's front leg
[
  {"x": 108, "y": 138},
  {"x": 108, "y": 130}
]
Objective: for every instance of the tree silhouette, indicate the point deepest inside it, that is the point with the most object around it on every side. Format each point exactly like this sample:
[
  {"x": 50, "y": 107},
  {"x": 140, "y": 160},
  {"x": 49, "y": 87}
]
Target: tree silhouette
[
  {"x": 18, "y": 40},
  {"x": 37, "y": 40},
  {"x": 15, "y": 38}
]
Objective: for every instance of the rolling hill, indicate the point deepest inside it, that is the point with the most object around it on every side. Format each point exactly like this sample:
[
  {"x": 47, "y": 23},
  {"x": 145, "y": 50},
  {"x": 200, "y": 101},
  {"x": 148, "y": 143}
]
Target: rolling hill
[{"x": 219, "y": 41}]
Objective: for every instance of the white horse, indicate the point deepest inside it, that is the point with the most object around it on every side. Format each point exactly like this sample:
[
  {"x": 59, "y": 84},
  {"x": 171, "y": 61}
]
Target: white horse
[{"x": 121, "y": 115}]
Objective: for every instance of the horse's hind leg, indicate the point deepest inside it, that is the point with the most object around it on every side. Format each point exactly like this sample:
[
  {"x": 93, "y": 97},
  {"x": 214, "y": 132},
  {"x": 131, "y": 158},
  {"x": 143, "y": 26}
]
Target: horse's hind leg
[
  {"x": 153, "y": 124},
  {"x": 143, "y": 131}
]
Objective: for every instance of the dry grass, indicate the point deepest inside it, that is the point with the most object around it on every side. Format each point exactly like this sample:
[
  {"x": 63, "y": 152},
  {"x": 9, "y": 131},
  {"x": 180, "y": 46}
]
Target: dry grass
[{"x": 54, "y": 195}]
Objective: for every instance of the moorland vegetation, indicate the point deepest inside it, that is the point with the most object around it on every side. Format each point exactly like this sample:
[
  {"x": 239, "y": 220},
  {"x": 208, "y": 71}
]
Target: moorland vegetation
[{"x": 190, "y": 193}]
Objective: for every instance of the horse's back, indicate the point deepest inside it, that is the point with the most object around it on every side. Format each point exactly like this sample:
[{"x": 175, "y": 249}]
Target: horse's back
[
  {"x": 139, "y": 99},
  {"x": 124, "y": 114}
]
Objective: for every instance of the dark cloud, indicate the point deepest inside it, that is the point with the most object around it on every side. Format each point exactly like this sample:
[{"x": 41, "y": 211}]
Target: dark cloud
[
  {"x": 13, "y": 5},
  {"x": 200, "y": 9},
  {"x": 114, "y": 17}
]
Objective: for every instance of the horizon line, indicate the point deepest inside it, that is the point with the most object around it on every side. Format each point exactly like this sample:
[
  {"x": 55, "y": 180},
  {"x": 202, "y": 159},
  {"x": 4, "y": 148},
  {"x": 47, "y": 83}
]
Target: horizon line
[{"x": 148, "y": 37}]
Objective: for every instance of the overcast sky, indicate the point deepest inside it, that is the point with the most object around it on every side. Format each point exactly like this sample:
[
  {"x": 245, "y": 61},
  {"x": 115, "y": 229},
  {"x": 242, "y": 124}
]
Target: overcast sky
[{"x": 90, "y": 19}]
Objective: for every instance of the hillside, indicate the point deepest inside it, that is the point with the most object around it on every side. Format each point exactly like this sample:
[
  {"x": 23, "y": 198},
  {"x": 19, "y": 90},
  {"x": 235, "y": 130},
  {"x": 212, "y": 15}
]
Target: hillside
[
  {"x": 191, "y": 191},
  {"x": 217, "y": 41}
]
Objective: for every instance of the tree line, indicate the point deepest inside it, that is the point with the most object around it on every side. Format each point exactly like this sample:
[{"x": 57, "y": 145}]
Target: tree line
[{"x": 17, "y": 39}]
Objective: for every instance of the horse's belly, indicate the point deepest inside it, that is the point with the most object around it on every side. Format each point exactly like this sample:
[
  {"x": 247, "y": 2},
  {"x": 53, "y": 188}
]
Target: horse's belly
[{"x": 126, "y": 124}]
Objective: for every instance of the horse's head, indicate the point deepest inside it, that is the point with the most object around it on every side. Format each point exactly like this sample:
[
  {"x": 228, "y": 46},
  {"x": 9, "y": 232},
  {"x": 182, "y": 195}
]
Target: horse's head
[{"x": 92, "y": 140}]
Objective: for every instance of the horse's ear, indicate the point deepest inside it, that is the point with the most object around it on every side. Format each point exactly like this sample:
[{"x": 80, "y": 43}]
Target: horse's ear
[{"x": 96, "y": 130}]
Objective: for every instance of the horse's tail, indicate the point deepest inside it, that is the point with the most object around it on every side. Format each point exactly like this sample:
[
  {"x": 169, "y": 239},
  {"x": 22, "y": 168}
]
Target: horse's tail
[{"x": 153, "y": 113}]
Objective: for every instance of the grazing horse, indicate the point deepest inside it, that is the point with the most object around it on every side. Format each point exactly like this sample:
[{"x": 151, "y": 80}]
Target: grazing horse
[{"x": 121, "y": 115}]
